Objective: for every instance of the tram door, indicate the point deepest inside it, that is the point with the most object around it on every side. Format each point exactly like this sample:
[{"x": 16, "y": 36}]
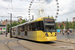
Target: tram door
[
  {"x": 22, "y": 30},
  {"x": 16, "y": 31},
  {"x": 19, "y": 30},
  {"x": 26, "y": 28}
]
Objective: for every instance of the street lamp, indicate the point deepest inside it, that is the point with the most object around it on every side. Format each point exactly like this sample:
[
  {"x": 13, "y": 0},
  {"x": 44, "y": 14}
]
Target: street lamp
[
  {"x": 10, "y": 24},
  {"x": 6, "y": 25}
]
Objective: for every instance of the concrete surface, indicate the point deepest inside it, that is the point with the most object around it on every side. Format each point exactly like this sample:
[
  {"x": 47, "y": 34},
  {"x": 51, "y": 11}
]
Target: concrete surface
[{"x": 28, "y": 45}]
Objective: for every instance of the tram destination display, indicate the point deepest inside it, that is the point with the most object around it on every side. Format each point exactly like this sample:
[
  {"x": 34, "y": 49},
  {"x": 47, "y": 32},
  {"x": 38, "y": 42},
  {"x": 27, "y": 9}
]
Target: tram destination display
[{"x": 48, "y": 20}]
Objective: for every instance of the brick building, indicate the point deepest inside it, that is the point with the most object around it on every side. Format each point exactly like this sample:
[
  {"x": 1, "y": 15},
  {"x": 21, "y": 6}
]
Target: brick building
[
  {"x": 3, "y": 24},
  {"x": 73, "y": 19},
  {"x": 2, "y": 28},
  {"x": 7, "y": 22}
]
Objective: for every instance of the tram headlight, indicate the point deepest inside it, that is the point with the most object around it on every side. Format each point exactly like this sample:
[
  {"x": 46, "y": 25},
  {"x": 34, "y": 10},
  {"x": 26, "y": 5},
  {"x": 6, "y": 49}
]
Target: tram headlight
[{"x": 46, "y": 34}]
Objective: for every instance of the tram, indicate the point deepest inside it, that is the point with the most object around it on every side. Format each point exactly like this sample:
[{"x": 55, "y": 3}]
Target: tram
[{"x": 42, "y": 29}]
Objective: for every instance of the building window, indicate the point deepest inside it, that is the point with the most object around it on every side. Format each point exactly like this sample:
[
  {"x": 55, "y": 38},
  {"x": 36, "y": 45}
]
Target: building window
[
  {"x": 0, "y": 31},
  {"x": 3, "y": 28},
  {"x": 74, "y": 19},
  {"x": 0, "y": 28}
]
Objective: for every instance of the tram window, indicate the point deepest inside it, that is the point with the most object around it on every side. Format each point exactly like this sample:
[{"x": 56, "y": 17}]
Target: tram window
[
  {"x": 13, "y": 32},
  {"x": 18, "y": 30},
  {"x": 42, "y": 26},
  {"x": 26, "y": 27},
  {"x": 22, "y": 28},
  {"x": 14, "y": 29},
  {"x": 18, "y": 33},
  {"x": 50, "y": 28},
  {"x": 30, "y": 27},
  {"x": 39, "y": 25},
  {"x": 33, "y": 26},
  {"x": 25, "y": 33}
]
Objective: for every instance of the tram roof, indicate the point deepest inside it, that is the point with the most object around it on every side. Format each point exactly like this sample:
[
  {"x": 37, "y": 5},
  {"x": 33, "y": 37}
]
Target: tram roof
[
  {"x": 36, "y": 20},
  {"x": 41, "y": 19}
]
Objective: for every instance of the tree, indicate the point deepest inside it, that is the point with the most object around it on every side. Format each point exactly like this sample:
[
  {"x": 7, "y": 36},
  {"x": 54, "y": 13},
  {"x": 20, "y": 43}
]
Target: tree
[
  {"x": 8, "y": 26},
  {"x": 14, "y": 23},
  {"x": 52, "y": 17},
  {"x": 48, "y": 16},
  {"x": 70, "y": 24},
  {"x": 23, "y": 21},
  {"x": 73, "y": 25},
  {"x": 62, "y": 26},
  {"x": 56, "y": 26},
  {"x": 67, "y": 25}
]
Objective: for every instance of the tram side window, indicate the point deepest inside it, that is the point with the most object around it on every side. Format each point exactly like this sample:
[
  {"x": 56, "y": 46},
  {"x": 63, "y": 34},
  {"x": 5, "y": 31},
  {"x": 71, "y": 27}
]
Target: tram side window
[
  {"x": 22, "y": 28},
  {"x": 14, "y": 31},
  {"x": 40, "y": 25},
  {"x": 18, "y": 30},
  {"x": 30, "y": 29},
  {"x": 26, "y": 27},
  {"x": 33, "y": 26}
]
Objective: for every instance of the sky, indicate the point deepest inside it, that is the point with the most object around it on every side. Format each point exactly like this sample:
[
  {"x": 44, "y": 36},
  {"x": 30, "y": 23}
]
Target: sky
[{"x": 20, "y": 8}]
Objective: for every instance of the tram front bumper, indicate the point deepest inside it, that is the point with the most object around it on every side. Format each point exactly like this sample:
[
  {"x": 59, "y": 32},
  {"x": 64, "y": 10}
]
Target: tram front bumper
[{"x": 51, "y": 38}]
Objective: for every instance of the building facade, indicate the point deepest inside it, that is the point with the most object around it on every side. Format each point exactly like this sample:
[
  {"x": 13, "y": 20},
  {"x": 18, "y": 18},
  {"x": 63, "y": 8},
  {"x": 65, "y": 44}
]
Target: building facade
[
  {"x": 73, "y": 19},
  {"x": 2, "y": 28}
]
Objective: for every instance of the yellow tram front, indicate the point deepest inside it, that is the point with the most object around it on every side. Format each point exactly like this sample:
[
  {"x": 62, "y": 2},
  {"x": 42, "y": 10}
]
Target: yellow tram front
[{"x": 46, "y": 29}]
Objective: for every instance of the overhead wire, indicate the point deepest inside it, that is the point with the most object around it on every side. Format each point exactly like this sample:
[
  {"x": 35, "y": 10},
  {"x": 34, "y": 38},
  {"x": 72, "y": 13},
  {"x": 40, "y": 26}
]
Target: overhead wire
[
  {"x": 51, "y": 6},
  {"x": 34, "y": 1},
  {"x": 20, "y": 8},
  {"x": 13, "y": 8},
  {"x": 47, "y": 7},
  {"x": 10, "y": 4},
  {"x": 36, "y": 6}
]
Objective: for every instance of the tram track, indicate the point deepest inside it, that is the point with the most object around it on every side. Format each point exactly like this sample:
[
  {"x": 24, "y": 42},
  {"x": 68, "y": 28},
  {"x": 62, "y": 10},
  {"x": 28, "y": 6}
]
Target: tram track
[
  {"x": 68, "y": 46},
  {"x": 59, "y": 44},
  {"x": 3, "y": 42},
  {"x": 14, "y": 41}
]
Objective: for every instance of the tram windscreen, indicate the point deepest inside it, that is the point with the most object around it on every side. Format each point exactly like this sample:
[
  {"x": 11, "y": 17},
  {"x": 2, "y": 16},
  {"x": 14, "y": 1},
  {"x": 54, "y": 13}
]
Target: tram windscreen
[{"x": 49, "y": 27}]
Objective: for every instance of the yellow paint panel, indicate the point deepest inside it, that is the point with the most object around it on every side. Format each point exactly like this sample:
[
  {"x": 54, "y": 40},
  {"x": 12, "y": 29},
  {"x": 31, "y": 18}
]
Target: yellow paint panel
[{"x": 42, "y": 37}]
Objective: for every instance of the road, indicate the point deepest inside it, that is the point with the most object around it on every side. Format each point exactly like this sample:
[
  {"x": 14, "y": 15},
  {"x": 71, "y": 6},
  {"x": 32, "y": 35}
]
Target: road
[{"x": 7, "y": 43}]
